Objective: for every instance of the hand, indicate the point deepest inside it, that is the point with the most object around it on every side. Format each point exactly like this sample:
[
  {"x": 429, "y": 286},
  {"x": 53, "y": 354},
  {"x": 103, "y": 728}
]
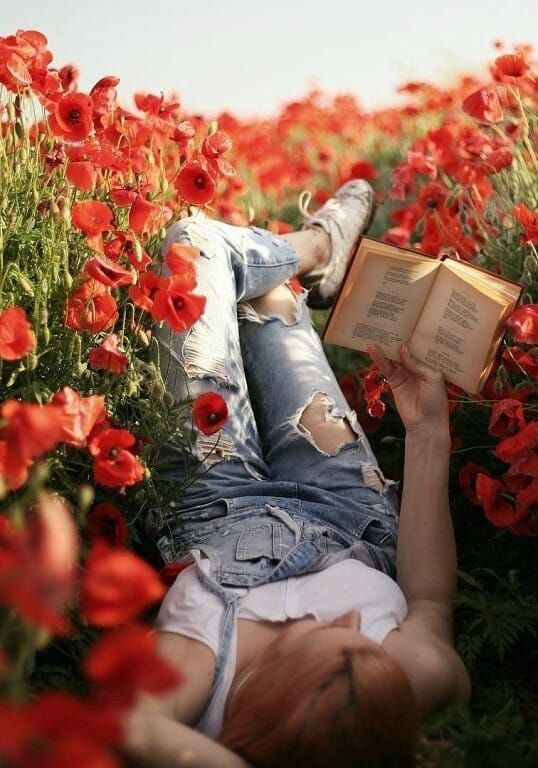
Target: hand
[{"x": 419, "y": 391}]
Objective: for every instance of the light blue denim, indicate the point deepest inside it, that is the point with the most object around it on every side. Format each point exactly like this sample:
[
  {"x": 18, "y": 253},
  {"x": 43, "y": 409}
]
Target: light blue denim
[{"x": 270, "y": 504}]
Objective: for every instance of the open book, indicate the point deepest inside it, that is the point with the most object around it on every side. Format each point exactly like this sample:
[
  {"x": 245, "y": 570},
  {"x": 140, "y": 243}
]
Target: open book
[{"x": 450, "y": 313}]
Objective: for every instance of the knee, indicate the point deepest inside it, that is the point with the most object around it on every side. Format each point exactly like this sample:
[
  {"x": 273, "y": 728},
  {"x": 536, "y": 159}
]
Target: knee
[
  {"x": 280, "y": 301},
  {"x": 328, "y": 433}
]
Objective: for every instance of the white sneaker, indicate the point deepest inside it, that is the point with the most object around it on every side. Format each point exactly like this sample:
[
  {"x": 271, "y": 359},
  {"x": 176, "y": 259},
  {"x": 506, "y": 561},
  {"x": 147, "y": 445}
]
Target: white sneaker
[{"x": 344, "y": 217}]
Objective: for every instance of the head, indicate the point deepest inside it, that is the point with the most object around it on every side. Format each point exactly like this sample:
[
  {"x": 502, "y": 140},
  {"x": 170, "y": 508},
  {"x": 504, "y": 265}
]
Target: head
[{"x": 323, "y": 694}]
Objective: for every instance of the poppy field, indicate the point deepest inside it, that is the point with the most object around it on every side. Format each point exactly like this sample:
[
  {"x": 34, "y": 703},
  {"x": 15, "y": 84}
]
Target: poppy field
[{"x": 87, "y": 190}]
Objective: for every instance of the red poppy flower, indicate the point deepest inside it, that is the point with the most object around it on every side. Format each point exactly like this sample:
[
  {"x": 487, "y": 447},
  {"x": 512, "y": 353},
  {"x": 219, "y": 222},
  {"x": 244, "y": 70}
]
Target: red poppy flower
[
  {"x": 374, "y": 385},
  {"x": 194, "y": 184},
  {"x": 92, "y": 217},
  {"x": 183, "y": 269},
  {"x": 57, "y": 730},
  {"x": 148, "y": 217},
  {"x": 72, "y": 118},
  {"x": 467, "y": 480},
  {"x": 362, "y": 169},
  {"x": 523, "y": 323},
  {"x": 106, "y": 522},
  {"x": 14, "y": 73},
  {"x": 216, "y": 144},
  {"x": 523, "y": 443},
  {"x": 82, "y": 175},
  {"x": 91, "y": 308},
  {"x": 108, "y": 357},
  {"x": 29, "y": 431},
  {"x": 183, "y": 132},
  {"x": 17, "y": 338},
  {"x": 399, "y": 236},
  {"x": 492, "y": 496},
  {"x": 174, "y": 304},
  {"x": 117, "y": 585},
  {"x": 521, "y": 360},
  {"x": 78, "y": 415},
  {"x": 68, "y": 75},
  {"x": 114, "y": 465},
  {"x": 107, "y": 273},
  {"x": 126, "y": 660},
  {"x": 484, "y": 106},
  {"x": 210, "y": 412},
  {"x": 506, "y": 418},
  {"x": 169, "y": 573},
  {"x": 511, "y": 65},
  {"x": 39, "y": 565},
  {"x": 178, "y": 256},
  {"x": 143, "y": 294},
  {"x": 528, "y": 220}
]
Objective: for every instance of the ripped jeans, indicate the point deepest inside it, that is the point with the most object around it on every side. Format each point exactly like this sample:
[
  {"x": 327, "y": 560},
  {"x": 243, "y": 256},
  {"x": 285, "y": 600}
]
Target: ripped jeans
[{"x": 268, "y": 503}]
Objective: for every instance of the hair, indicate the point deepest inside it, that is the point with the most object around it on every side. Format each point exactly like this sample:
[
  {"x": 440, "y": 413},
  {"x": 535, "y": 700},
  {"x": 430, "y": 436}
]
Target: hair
[{"x": 311, "y": 708}]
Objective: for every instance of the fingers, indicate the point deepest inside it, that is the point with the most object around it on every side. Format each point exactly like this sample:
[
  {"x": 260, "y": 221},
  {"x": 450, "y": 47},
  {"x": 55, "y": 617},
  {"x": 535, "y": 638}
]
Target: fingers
[
  {"x": 416, "y": 366},
  {"x": 388, "y": 368}
]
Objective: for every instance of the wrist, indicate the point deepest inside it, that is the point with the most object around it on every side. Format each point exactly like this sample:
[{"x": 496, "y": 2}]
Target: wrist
[{"x": 436, "y": 433}]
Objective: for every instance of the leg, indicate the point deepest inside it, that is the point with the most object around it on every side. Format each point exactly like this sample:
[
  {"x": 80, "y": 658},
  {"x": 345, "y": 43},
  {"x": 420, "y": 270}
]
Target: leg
[
  {"x": 309, "y": 433},
  {"x": 234, "y": 263}
]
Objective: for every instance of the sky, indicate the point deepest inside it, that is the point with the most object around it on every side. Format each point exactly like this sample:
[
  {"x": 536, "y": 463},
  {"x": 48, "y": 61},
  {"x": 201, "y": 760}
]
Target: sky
[{"x": 250, "y": 57}]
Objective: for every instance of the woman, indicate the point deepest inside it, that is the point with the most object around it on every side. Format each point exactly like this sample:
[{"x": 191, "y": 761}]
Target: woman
[{"x": 303, "y": 637}]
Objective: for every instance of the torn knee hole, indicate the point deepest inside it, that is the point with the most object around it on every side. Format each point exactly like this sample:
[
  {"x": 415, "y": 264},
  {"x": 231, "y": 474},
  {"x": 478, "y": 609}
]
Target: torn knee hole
[
  {"x": 279, "y": 303},
  {"x": 329, "y": 431}
]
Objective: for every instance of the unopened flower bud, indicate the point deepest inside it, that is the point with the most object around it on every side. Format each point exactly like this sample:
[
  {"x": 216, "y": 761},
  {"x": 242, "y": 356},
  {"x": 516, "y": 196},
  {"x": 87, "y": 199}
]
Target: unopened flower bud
[
  {"x": 86, "y": 495},
  {"x": 157, "y": 390},
  {"x": 33, "y": 361},
  {"x": 212, "y": 127},
  {"x": 143, "y": 337},
  {"x": 25, "y": 284},
  {"x": 131, "y": 388}
]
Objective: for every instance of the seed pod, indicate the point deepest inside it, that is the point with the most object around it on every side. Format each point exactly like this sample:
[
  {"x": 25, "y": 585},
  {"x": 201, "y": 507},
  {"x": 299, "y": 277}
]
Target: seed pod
[{"x": 26, "y": 285}]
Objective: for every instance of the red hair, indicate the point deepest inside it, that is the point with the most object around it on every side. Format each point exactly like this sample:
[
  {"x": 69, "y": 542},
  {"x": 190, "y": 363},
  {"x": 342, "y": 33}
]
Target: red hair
[{"x": 313, "y": 708}]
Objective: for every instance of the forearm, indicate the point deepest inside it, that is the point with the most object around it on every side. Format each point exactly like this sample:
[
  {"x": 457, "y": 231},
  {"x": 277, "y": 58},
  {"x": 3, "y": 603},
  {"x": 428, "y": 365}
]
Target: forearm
[
  {"x": 160, "y": 742},
  {"x": 426, "y": 555}
]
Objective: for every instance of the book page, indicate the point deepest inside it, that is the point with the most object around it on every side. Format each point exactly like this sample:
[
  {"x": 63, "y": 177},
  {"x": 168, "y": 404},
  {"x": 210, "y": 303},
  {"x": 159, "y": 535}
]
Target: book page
[
  {"x": 493, "y": 285},
  {"x": 455, "y": 331},
  {"x": 382, "y": 299}
]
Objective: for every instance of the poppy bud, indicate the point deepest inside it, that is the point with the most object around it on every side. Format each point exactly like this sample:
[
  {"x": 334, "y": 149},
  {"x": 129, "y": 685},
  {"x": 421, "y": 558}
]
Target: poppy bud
[
  {"x": 19, "y": 130},
  {"x": 41, "y": 638},
  {"x": 157, "y": 390},
  {"x": 131, "y": 389},
  {"x": 33, "y": 361},
  {"x": 25, "y": 284},
  {"x": 79, "y": 369},
  {"x": 143, "y": 337},
  {"x": 67, "y": 280},
  {"x": 212, "y": 127},
  {"x": 86, "y": 495}
]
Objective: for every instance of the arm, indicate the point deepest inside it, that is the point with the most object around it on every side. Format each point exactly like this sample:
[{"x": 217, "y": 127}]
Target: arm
[
  {"x": 157, "y": 741},
  {"x": 426, "y": 555},
  {"x": 156, "y": 732},
  {"x": 426, "y": 559}
]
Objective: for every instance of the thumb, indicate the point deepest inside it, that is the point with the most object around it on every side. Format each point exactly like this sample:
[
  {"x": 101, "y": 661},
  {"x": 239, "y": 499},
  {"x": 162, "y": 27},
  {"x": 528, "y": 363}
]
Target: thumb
[{"x": 417, "y": 367}]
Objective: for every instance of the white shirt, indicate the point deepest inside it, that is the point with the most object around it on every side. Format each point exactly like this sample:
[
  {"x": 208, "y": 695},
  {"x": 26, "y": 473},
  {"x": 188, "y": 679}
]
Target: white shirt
[{"x": 191, "y": 610}]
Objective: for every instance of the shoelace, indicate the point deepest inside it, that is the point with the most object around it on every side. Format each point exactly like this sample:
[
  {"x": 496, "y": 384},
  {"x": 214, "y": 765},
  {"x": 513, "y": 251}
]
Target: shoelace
[{"x": 303, "y": 202}]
